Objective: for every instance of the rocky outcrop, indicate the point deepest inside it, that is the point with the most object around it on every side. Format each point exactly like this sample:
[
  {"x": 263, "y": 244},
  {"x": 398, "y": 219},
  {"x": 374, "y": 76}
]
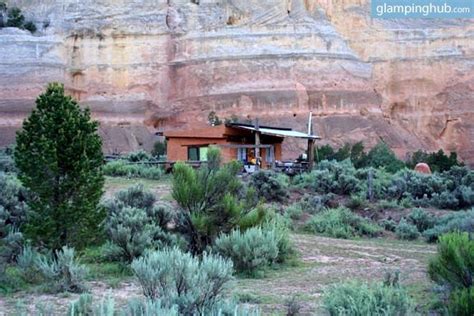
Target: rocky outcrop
[{"x": 147, "y": 66}]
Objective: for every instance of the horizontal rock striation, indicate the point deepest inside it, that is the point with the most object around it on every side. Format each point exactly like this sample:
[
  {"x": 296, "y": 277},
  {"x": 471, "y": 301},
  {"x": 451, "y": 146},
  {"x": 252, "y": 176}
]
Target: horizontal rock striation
[{"x": 152, "y": 65}]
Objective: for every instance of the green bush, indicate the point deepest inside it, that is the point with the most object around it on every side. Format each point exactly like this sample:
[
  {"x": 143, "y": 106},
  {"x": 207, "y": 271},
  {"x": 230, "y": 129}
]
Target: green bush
[
  {"x": 294, "y": 211},
  {"x": 331, "y": 177},
  {"x": 462, "y": 221},
  {"x": 7, "y": 163},
  {"x": 461, "y": 302},
  {"x": 453, "y": 266},
  {"x": 159, "y": 149},
  {"x": 59, "y": 157},
  {"x": 250, "y": 250},
  {"x": 382, "y": 156},
  {"x": 270, "y": 185},
  {"x": 211, "y": 203},
  {"x": 138, "y": 156},
  {"x": 135, "y": 223},
  {"x": 26, "y": 262},
  {"x": 341, "y": 223},
  {"x": 121, "y": 168},
  {"x": 62, "y": 273},
  {"x": 438, "y": 161},
  {"x": 361, "y": 299},
  {"x": 30, "y": 26},
  {"x": 406, "y": 230},
  {"x": 13, "y": 211},
  {"x": 178, "y": 278},
  {"x": 15, "y": 18},
  {"x": 422, "y": 219}
]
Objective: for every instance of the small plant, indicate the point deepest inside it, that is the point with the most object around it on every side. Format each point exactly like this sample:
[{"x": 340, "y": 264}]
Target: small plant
[
  {"x": 121, "y": 168},
  {"x": 180, "y": 279},
  {"x": 270, "y": 185},
  {"x": 462, "y": 221},
  {"x": 15, "y": 18},
  {"x": 30, "y": 26},
  {"x": 406, "y": 230},
  {"x": 294, "y": 211},
  {"x": 454, "y": 264},
  {"x": 360, "y": 299},
  {"x": 422, "y": 219},
  {"x": 356, "y": 202},
  {"x": 293, "y": 307},
  {"x": 341, "y": 223},
  {"x": 62, "y": 273},
  {"x": 159, "y": 149},
  {"x": 134, "y": 223},
  {"x": 27, "y": 263},
  {"x": 250, "y": 250},
  {"x": 461, "y": 302}
]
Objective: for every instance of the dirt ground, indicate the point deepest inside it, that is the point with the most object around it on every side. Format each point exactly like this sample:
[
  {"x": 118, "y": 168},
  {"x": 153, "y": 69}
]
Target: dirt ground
[{"x": 323, "y": 261}]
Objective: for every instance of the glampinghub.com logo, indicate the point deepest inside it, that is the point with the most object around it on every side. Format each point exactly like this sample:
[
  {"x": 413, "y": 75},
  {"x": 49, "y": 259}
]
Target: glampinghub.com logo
[{"x": 436, "y": 9}]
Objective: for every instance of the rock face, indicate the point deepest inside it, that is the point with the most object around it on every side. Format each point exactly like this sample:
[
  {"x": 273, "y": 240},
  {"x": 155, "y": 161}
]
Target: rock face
[{"x": 152, "y": 65}]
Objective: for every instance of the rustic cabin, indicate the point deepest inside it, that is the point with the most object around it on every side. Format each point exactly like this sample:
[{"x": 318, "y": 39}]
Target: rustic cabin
[{"x": 251, "y": 144}]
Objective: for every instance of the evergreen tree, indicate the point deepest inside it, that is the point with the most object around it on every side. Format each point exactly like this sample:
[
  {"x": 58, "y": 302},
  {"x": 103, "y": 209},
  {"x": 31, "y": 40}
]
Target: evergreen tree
[{"x": 60, "y": 161}]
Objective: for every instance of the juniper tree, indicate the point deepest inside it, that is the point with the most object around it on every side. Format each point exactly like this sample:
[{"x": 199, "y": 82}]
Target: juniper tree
[
  {"x": 209, "y": 205},
  {"x": 59, "y": 158}
]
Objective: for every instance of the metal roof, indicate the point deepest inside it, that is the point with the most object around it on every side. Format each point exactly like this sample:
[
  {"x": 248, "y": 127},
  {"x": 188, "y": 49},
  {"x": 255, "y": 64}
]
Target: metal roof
[{"x": 278, "y": 132}]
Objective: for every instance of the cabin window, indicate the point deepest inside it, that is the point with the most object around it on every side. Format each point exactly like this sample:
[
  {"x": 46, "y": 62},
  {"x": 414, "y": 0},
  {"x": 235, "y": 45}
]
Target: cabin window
[
  {"x": 269, "y": 154},
  {"x": 242, "y": 154},
  {"x": 197, "y": 153},
  {"x": 193, "y": 153}
]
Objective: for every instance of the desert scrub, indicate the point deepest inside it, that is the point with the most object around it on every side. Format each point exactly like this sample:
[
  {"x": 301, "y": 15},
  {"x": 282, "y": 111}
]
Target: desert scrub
[
  {"x": 250, "y": 250},
  {"x": 361, "y": 299},
  {"x": 122, "y": 168},
  {"x": 453, "y": 266},
  {"x": 461, "y": 302},
  {"x": 134, "y": 223},
  {"x": 62, "y": 273},
  {"x": 270, "y": 185},
  {"x": 331, "y": 177},
  {"x": 462, "y": 221},
  {"x": 341, "y": 223},
  {"x": 422, "y": 219},
  {"x": 406, "y": 230},
  {"x": 178, "y": 278}
]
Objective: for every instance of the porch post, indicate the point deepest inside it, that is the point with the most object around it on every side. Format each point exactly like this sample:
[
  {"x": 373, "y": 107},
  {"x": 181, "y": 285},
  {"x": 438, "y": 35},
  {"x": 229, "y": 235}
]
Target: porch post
[
  {"x": 310, "y": 154},
  {"x": 257, "y": 143}
]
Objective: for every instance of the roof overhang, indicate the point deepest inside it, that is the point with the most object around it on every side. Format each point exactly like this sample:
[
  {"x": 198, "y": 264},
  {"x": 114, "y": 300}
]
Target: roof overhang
[{"x": 277, "y": 132}]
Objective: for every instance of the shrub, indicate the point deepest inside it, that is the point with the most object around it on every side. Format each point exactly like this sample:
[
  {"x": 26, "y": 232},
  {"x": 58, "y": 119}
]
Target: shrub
[
  {"x": 406, "y": 230},
  {"x": 341, "y": 223},
  {"x": 134, "y": 223},
  {"x": 462, "y": 221},
  {"x": 59, "y": 157},
  {"x": 294, "y": 211},
  {"x": 270, "y": 185},
  {"x": 422, "y": 219},
  {"x": 438, "y": 161},
  {"x": 138, "y": 156},
  {"x": 388, "y": 224},
  {"x": 461, "y": 302},
  {"x": 27, "y": 263},
  {"x": 331, "y": 177},
  {"x": 453, "y": 266},
  {"x": 445, "y": 200},
  {"x": 62, "y": 273},
  {"x": 180, "y": 279},
  {"x": 30, "y": 26},
  {"x": 7, "y": 163},
  {"x": 250, "y": 250},
  {"x": 159, "y": 149},
  {"x": 13, "y": 211},
  {"x": 121, "y": 168},
  {"x": 15, "y": 18},
  {"x": 360, "y": 299},
  {"x": 209, "y": 204},
  {"x": 382, "y": 156},
  {"x": 356, "y": 201}
]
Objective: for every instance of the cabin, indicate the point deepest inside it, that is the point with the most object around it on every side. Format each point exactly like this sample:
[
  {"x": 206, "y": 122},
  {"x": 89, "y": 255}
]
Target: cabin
[{"x": 250, "y": 144}]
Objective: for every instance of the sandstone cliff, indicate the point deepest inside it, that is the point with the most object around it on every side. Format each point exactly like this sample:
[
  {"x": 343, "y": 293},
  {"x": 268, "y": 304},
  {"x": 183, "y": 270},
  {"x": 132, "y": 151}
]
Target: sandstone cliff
[{"x": 150, "y": 65}]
